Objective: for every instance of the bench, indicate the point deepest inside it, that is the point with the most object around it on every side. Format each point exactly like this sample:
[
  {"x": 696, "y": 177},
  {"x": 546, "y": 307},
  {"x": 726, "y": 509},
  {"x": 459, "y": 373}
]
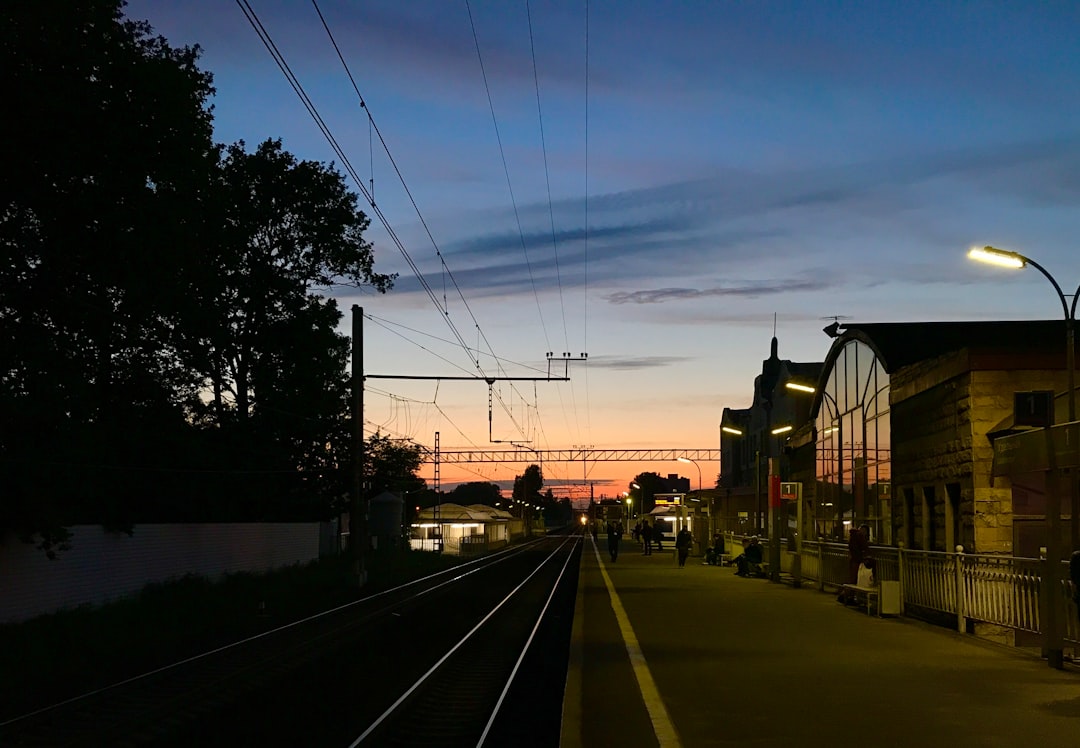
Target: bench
[
  {"x": 725, "y": 559},
  {"x": 885, "y": 594}
]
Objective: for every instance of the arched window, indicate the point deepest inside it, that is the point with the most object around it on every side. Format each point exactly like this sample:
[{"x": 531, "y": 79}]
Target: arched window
[{"x": 853, "y": 451}]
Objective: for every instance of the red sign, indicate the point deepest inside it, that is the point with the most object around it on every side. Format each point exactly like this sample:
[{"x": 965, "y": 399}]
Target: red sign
[{"x": 774, "y": 491}]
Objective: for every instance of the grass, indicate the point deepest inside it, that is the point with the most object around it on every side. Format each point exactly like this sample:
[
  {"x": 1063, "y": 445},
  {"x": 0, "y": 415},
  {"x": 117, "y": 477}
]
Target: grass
[{"x": 69, "y": 652}]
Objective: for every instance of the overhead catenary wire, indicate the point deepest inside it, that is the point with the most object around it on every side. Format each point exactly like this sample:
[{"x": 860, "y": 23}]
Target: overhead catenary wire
[
  {"x": 506, "y": 171},
  {"x": 444, "y": 309},
  {"x": 335, "y": 146},
  {"x": 387, "y": 324},
  {"x": 294, "y": 82},
  {"x": 585, "y": 314},
  {"x": 551, "y": 210}
]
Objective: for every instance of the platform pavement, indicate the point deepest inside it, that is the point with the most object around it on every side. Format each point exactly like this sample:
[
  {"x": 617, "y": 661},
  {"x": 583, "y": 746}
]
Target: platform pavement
[{"x": 696, "y": 656}]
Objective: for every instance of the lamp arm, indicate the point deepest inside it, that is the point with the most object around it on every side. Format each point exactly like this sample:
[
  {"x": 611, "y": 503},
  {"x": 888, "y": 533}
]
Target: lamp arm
[
  {"x": 1072, "y": 312},
  {"x": 1060, "y": 293}
]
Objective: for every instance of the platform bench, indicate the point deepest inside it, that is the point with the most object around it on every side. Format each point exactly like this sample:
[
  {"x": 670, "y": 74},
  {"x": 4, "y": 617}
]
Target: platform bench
[{"x": 885, "y": 595}]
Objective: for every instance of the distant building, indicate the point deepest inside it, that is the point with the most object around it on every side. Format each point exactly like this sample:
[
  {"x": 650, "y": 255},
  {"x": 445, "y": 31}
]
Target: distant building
[
  {"x": 744, "y": 456},
  {"x": 465, "y": 529}
]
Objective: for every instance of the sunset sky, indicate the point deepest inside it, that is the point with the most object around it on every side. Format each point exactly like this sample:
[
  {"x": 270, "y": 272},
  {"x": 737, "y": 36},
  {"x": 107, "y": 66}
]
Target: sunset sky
[{"x": 741, "y": 162}]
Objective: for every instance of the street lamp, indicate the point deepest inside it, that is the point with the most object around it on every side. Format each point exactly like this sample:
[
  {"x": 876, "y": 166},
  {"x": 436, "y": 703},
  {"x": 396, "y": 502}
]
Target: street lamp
[
  {"x": 1017, "y": 261},
  {"x": 1051, "y": 587},
  {"x": 688, "y": 461},
  {"x": 800, "y": 387}
]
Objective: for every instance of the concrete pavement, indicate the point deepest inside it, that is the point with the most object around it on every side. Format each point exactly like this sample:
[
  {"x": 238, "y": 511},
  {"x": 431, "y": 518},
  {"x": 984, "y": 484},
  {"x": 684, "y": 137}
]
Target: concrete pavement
[{"x": 699, "y": 657}]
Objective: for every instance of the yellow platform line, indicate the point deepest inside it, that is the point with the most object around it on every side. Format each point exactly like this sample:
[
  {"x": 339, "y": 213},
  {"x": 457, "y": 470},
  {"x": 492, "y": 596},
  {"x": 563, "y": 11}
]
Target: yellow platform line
[{"x": 663, "y": 727}]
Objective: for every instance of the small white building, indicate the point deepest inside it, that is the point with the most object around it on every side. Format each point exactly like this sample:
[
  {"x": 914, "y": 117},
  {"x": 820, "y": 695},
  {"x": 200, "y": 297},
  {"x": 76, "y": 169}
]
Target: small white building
[{"x": 464, "y": 529}]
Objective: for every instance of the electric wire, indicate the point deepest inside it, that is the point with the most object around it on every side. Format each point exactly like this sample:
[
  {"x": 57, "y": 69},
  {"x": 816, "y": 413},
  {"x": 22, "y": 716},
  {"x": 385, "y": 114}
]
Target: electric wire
[
  {"x": 309, "y": 105},
  {"x": 585, "y": 300},
  {"x": 551, "y": 211},
  {"x": 386, "y": 324},
  {"x": 445, "y": 268},
  {"x": 294, "y": 82},
  {"x": 297, "y": 87},
  {"x": 547, "y": 175},
  {"x": 506, "y": 171}
]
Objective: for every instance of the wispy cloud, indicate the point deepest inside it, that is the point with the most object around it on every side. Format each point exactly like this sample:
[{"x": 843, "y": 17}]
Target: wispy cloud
[
  {"x": 625, "y": 363},
  {"x": 752, "y": 290}
]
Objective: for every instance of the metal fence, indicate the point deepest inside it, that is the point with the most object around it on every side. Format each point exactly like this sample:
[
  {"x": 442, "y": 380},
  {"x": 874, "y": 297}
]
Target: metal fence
[{"x": 999, "y": 590}]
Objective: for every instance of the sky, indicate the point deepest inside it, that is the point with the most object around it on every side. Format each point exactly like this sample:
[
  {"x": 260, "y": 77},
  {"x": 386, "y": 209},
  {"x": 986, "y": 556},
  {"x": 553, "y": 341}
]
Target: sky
[{"x": 660, "y": 185}]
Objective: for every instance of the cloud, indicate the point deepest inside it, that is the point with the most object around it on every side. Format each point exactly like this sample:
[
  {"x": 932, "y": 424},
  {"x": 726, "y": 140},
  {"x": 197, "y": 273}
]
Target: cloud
[
  {"x": 753, "y": 290},
  {"x": 730, "y": 224},
  {"x": 627, "y": 363}
]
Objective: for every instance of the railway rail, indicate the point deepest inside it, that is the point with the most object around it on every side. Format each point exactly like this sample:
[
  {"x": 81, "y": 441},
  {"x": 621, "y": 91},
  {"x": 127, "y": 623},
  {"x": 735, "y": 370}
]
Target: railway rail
[{"x": 468, "y": 656}]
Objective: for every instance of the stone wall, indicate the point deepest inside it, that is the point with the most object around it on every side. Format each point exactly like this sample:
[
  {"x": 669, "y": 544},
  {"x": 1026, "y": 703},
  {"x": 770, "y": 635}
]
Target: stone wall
[{"x": 942, "y": 411}]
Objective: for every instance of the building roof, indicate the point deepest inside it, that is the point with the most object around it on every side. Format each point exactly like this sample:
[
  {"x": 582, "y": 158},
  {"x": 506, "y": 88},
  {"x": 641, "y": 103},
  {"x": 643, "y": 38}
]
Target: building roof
[
  {"x": 899, "y": 344},
  {"x": 450, "y": 512}
]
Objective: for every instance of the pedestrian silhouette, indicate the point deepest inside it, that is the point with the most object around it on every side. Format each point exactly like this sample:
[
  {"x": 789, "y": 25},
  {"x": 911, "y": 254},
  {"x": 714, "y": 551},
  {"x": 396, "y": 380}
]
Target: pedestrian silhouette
[
  {"x": 682, "y": 544},
  {"x": 614, "y": 535}
]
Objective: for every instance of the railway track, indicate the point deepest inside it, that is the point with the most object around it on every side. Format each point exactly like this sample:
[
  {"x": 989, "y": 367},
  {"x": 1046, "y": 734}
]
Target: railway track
[{"x": 434, "y": 662}]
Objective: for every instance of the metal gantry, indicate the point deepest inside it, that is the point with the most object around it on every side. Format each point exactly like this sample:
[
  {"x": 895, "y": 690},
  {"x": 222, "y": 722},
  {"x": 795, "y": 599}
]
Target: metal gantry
[{"x": 465, "y": 456}]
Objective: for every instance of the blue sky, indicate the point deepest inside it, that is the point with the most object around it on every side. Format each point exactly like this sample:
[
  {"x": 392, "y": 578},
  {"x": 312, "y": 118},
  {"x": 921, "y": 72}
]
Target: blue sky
[{"x": 744, "y": 160}]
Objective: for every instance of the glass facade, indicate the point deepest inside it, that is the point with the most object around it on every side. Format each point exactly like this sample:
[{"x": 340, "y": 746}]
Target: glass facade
[{"x": 853, "y": 451}]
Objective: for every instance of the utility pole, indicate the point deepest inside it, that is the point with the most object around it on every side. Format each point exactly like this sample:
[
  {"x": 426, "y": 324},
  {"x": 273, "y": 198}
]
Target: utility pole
[{"x": 358, "y": 508}]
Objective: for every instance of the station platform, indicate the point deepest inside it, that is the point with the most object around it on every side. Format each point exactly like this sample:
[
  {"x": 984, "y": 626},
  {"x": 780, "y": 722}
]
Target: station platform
[{"x": 696, "y": 656}]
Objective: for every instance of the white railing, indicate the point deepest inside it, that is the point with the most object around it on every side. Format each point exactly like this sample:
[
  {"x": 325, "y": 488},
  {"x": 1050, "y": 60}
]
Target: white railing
[{"x": 999, "y": 590}]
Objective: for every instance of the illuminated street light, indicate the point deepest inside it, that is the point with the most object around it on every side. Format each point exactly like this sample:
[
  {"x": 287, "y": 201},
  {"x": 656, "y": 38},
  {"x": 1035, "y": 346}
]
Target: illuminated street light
[
  {"x": 1054, "y": 614},
  {"x": 1001, "y": 257},
  {"x": 688, "y": 461},
  {"x": 800, "y": 387},
  {"x": 1017, "y": 261},
  {"x": 731, "y": 430},
  {"x": 781, "y": 430}
]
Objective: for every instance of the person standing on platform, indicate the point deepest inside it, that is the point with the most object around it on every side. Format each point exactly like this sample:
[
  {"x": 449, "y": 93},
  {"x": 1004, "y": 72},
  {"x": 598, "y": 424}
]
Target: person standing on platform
[
  {"x": 614, "y": 535},
  {"x": 682, "y": 544},
  {"x": 658, "y": 534},
  {"x": 646, "y": 537}
]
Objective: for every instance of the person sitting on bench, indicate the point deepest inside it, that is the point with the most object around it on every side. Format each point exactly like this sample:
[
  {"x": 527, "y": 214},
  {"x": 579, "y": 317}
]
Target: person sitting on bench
[
  {"x": 749, "y": 561},
  {"x": 714, "y": 556},
  {"x": 865, "y": 577}
]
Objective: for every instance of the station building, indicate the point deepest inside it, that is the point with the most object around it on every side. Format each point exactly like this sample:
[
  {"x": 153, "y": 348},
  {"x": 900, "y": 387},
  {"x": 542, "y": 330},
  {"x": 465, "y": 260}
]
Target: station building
[{"x": 897, "y": 433}]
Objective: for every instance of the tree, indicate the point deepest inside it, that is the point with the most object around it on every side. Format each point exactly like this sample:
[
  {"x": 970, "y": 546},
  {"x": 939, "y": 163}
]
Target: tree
[
  {"x": 476, "y": 492},
  {"x": 283, "y": 230},
  {"x": 651, "y": 484},
  {"x": 527, "y": 487},
  {"x": 165, "y": 352},
  {"x": 103, "y": 184},
  {"x": 392, "y": 465}
]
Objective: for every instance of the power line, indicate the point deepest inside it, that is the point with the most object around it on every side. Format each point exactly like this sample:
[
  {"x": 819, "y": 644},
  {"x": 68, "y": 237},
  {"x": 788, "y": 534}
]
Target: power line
[
  {"x": 294, "y": 82},
  {"x": 551, "y": 211},
  {"x": 506, "y": 171},
  {"x": 547, "y": 174},
  {"x": 385, "y": 323},
  {"x": 443, "y": 309}
]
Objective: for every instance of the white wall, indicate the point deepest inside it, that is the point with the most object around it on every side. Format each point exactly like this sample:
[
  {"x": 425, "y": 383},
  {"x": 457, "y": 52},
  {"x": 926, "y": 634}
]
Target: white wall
[{"x": 105, "y": 565}]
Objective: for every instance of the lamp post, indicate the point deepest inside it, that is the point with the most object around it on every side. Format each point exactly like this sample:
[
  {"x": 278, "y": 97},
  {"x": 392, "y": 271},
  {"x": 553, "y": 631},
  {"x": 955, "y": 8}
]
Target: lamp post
[
  {"x": 1017, "y": 261},
  {"x": 688, "y": 461},
  {"x": 799, "y": 387},
  {"x": 1051, "y": 588}
]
